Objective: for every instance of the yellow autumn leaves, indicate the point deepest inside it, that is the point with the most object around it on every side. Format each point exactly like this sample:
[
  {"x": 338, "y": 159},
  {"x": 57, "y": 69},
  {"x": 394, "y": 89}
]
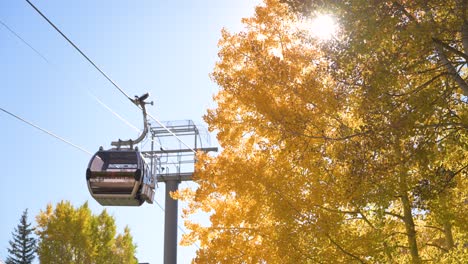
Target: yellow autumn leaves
[{"x": 340, "y": 152}]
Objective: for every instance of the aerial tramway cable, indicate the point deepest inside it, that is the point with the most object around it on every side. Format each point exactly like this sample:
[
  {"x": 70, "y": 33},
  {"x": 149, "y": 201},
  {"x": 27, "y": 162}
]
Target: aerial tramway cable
[
  {"x": 46, "y": 131},
  {"x": 14, "y": 33},
  {"x": 79, "y": 50},
  {"x": 106, "y": 76},
  {"x": 114, "y": 112},
  {"x": 24, "y": 41}
]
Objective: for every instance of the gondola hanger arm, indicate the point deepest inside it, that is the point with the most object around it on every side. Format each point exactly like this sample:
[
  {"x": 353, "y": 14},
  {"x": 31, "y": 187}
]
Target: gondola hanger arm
[{"x": 140, "y": 102}]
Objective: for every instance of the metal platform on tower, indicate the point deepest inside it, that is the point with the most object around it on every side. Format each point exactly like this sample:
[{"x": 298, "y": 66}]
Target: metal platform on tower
[{"x": 174, "y": 148}]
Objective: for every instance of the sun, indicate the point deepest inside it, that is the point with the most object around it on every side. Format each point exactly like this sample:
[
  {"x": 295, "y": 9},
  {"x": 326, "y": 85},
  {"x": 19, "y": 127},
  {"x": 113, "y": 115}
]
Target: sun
[{"x": 323, "y": 27}]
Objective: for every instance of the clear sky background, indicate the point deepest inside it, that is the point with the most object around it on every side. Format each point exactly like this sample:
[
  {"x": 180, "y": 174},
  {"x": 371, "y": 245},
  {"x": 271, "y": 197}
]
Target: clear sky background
[{"x": 167, "y": 48}]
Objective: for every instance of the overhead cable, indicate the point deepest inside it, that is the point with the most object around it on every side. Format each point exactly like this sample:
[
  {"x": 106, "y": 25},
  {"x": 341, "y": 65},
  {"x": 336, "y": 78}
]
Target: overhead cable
[
  {"x": 114, "y": 113},
  {"x": 105, "y": 75},
  {"x": 24, "y": 41},
  {"x": 46, "y": 131},
  {"x": 79, "y": 50},
  {"x": 46, "y": 60}
]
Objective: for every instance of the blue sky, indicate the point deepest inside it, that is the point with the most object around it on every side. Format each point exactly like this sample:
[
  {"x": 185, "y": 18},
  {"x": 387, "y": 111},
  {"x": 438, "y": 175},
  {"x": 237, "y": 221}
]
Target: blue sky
[{"x": 167, "y": 48}]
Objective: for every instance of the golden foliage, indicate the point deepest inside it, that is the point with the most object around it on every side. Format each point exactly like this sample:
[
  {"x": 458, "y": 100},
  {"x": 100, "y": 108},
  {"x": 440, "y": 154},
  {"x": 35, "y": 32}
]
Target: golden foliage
[{"x": 350, "y": 151}]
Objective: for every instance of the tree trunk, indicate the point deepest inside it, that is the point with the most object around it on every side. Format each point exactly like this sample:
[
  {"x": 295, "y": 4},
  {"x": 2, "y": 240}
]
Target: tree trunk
[
  {"x": 451, "y": 69},
  {"x": 448, "y": 235},
  {"x": 446, "y": 224},
  {"x": 410, "y": 229},
  {"x": 464, "y": 33}
]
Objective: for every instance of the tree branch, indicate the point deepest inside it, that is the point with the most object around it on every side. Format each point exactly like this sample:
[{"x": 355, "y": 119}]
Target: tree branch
[
  {"x": 395, "y": 215},
  {"x": 420, "y": 87},
  {"x": 335, "y": 210},
  {"x": 464, "y": 29},
  {"x": 437, "y": 246},
  {"x": 451, "y": 70},
  {"x": 453, "y": 176},
  {"x": 337, "y": 138},
  {"x": 403, "y": 9},
  {"x": 397, "y": 233},
  {"x": 366, "y": 220},
  {"x": 344, "y": 251},
  {"x": 434, "y": 227},
  {"x": 449, "y": 48},
  {"x": 439, "y": 125}
]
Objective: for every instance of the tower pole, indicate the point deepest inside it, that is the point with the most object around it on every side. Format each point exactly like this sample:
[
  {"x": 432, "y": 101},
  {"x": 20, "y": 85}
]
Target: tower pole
[
  {"x": 181, "y": 158},
  {"x": 170, "y": 222}
]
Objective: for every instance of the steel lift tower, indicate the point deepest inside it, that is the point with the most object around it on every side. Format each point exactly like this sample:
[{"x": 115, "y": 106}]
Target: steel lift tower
[
  {"x": 126, "y": 176},
  {"x": 172, "y": 161}
]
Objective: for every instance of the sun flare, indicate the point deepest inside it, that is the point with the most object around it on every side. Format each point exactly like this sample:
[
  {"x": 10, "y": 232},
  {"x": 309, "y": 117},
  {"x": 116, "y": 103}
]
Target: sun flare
[{"x": 323, "y": 27}]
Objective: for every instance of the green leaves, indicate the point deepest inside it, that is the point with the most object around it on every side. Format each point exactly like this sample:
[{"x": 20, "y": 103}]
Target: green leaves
[{"x": 75, "y": 235}]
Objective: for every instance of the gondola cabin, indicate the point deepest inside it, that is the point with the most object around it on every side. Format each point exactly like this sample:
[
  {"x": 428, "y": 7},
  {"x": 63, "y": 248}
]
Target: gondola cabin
[{"x": 120, "y": 177}]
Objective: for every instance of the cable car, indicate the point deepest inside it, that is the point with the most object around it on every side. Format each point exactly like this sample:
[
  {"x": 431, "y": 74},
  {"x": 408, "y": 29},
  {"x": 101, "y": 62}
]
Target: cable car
[{"x": 120, "y": 177}]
